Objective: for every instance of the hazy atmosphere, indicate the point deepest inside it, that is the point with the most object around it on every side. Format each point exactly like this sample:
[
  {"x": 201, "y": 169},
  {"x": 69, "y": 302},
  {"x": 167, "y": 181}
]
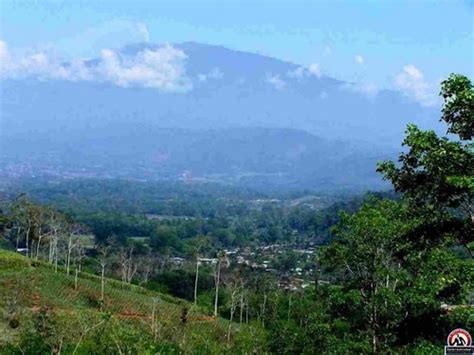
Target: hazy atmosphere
[{"x": 236, "y": 176}]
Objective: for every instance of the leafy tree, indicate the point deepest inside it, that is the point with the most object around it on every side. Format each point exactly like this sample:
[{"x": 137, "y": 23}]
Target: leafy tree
[
  {"x": 436, "y": 175},
  {"x": 364, "y": 260},
  {"x": 458, "y": 112},
  {"x": 392, "y": 263}
]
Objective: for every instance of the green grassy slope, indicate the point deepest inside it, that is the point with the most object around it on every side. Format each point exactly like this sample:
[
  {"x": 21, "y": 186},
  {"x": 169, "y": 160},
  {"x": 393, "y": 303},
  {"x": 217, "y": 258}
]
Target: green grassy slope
[{"x": 42, "y": 312}]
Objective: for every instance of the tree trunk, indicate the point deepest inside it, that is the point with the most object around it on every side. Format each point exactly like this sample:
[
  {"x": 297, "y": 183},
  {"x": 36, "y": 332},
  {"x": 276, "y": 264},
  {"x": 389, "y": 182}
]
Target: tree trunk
[
  {"x": 68, "y": 263},
  {"x": 68, "y": 258},
  {"x": 289, "y": 307},
  {"x": 241, "y": 307},
  {"x": 75, "y": 279},
  {"x": 233, "y": 306},
  {"x": 153, "y": 319},
  {"x": 263, "y": 309},
  {"x": 196, "y": 281},
  {"x": 40, "y": 236},
  {"x": 18, "y": 237},
  {"x": 247, "y": 312},
  {"x": 216, "y": 300},
  {"x": 50, "y": 256},
  {"x": 102, "y": 282},
  {"x": 28, "y": 238},
  {"x": 230, "y": 324}
]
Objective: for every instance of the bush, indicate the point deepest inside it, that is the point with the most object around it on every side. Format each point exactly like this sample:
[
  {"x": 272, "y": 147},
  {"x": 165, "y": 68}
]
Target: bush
[{"x": 12, "y": 260}]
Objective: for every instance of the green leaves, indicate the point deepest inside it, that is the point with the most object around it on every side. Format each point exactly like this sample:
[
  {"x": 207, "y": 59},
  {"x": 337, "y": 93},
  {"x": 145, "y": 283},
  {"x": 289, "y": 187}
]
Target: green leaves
[
  {"x": 434, "y": 171},
  {"x": 394, "y": 262},
  {"x": 458, "y": 111}
]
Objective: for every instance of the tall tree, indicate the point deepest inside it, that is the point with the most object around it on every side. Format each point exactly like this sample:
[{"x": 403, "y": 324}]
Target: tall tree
[
  {"x": 393, "y": 263},
  {"x": 436, "y": 174},
  {"x": 217, "y": 278}
]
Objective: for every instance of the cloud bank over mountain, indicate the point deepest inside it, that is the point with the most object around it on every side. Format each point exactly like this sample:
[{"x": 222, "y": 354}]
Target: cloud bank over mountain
[
  {"x": 412, "y": 83},
  {"x": 162, "y": 68}
]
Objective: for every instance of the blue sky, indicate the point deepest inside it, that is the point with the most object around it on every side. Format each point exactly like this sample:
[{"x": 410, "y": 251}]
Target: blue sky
[{"x": 364, "y": 41}]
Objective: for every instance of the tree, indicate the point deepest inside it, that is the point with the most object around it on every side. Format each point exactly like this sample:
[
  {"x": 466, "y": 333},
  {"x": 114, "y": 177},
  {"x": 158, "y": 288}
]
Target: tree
[
  {"x": 71, "y": 242},
  {"x": 217, "y": 279},
  {"x": 436, "y": 175},
  {"x": 23, "y": 211},
  {"x": 393, "y": 264},
  {"x": 364, "y": 260},
  {"x": 200, "y": 243},
  {"x": 103, "y": 259},
  {"x": 128, "y": 266},
  {"x": 458, "y": 111},
  {"x": 39, "y": 214},
  {"x": 145, "y": 267},
  {"x": 56, "y": 226},
  {"x": 79, "y": 256},
  {"x": 234, "y": 287}
]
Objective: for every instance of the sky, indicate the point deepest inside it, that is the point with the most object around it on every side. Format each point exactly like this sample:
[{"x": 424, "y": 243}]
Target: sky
[{"x": 376, "y": 43}]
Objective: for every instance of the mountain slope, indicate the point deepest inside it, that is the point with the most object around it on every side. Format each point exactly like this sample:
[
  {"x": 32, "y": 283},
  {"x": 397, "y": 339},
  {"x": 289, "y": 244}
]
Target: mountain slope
[
  {"x": 41, "y": 311},
  {"x": 101, "y": 129},
  {"x": 255, "y": 157},
  {"x": 229, "y": 89}
]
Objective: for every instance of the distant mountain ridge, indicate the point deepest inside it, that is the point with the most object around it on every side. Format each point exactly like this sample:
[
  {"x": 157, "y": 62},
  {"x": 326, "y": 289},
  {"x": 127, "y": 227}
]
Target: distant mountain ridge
[
  {"x": 210, "y": 130},
  {"x": 254, "y": 157},
  {"x": 229, "y": 89}
]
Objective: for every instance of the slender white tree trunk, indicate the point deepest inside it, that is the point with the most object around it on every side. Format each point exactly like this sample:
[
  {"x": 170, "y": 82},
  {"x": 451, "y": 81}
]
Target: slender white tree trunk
[
  {"x": 18, "y": 237},
  {"x": 263, "y": 309},
  {"x": 196, "y": 281},
  {"x": 218, "y": 276},
  {"x": 50, "y": 255},
  {"x": 247, "y": 313},
  {"x": 75, "y": 278},
  {"x": 28, "y": 239},
  {"x": 102, "y": 282},
  {"x": 40, "y": 236},
  {"x": 37, "y": 247},
  {"x": 241, "y": 307}
]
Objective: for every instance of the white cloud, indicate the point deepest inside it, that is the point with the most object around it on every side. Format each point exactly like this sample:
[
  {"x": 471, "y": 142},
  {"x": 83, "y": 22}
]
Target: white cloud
[
  {"x": 315, "y": 69},
  {"x": 298, "y": 73},
  {"x": 215, "y": 73},
  {"x": 411, "y": 82},
  {"x": 3, "y": 51},
  {"x": 359, "y": 59},
  {"x": 276, "y": 81},
  {"x": 115, "y": 33},
  {"x": 368, "y": 89},
  {"x": 37, "y": 64},
  {"x": 5, "y": 60},
  {"x": 301, "y": 72},
  {"x": 162, "y": 68}
]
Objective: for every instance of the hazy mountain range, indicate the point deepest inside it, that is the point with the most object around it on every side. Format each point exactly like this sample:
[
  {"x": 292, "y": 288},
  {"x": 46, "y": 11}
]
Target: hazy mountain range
[{"x": 224, "y": 115}]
